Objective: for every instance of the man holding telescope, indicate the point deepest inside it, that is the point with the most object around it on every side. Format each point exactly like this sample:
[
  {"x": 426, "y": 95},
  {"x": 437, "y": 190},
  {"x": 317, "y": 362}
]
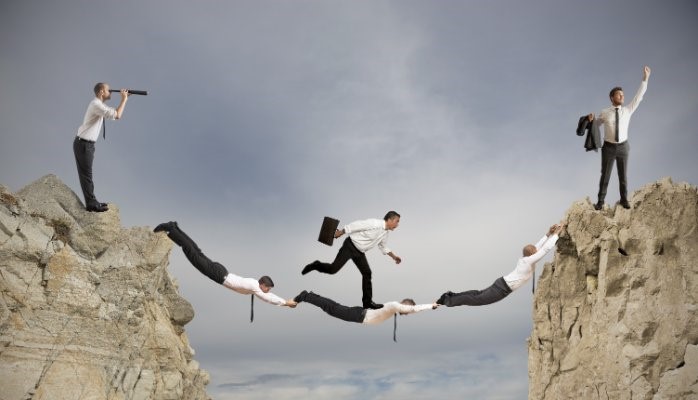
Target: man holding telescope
[{"x": 88, "y": 133}]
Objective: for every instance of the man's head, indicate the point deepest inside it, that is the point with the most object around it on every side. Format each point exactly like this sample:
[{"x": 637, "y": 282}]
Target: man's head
[
  {"x": 529, "y": 250},
  {"x": 392, "y": 220},
  {"x": 265, "y": 283},
  {"x": 616, "y": 95},
  {"x": 407, "y": 302},
  {"x": 102, "y": 91}
]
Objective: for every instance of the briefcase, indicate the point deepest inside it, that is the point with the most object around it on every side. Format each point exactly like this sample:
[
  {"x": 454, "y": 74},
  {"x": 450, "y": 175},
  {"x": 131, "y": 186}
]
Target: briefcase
[{"x": 327, "y": 230}]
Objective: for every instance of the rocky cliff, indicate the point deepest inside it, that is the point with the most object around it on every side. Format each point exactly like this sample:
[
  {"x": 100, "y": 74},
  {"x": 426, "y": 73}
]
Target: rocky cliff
[
  {"x": 616, "y": 313},
  {"x": 87, "y": 308}
]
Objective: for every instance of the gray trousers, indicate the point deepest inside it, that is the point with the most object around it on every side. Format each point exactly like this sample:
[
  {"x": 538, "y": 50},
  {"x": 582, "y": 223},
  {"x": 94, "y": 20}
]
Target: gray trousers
[
  {"x": 212, "y": 269},
  {"x": 610, "y": 153},
  {"x": 84, "y": 155},
  {"x": 494, "y": 293},
  {"x": 331, "y": 307}
]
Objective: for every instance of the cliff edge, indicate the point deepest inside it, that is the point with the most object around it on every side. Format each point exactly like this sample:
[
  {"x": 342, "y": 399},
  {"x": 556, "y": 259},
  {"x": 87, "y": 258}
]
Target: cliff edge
[
  {"x": 616, "y": 313},
  {"x": 87, "y": 308}
]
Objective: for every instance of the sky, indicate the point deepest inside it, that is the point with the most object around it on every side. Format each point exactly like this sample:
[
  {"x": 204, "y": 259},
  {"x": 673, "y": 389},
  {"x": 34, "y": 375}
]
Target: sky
[{"x": 265, "y": 116}]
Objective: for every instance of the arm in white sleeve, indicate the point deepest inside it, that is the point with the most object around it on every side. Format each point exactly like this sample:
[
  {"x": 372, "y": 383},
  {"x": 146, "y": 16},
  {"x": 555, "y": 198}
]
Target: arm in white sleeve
[
  {"x": 270, "y": 298},
  {"x": 549, "y": 244},
  {"x": 638, "y": 97},
  {"x": 363, "y": 225},
  {"x": 407, "y": 309},
  {"x": 383, "y": 247},
  {"x": 105, "y": 111},
  {"x": 540, "y": 242}
]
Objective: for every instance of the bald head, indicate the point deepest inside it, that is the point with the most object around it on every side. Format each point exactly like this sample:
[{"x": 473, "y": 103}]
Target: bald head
[{"x": 529, "y": 250}]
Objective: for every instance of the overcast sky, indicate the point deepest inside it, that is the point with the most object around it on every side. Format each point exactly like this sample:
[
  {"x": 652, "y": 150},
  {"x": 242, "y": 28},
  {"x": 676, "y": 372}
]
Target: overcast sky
[{"x": 265, "y": 116}]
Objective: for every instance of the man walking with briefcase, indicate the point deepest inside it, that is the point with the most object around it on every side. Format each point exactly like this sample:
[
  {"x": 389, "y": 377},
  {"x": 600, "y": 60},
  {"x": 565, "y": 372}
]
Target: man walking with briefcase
[{"x": 363, "y": 235}]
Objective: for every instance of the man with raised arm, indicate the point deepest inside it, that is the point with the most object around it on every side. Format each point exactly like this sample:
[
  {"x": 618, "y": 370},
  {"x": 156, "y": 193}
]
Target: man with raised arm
[{"x": 503, "y": 286}]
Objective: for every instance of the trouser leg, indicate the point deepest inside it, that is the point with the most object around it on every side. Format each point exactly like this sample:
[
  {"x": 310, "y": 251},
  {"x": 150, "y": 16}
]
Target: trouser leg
[
  {"x": 350, "y": 314},
  {"x": 608, "y": 157},
  {"x": 494, "y": 293},
  {"x": 84, "y": 156},
  {"x": 215, "y": 271},
  {"x": 366, "y": 285},
  {"x": 343, "y": 255},
  {"x": 622, "y": 153}
]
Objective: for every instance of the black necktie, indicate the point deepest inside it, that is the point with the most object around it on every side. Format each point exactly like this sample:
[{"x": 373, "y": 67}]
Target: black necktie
[
  {"x": 104, "y": 126},
  {"x": 617, "y": 127}
]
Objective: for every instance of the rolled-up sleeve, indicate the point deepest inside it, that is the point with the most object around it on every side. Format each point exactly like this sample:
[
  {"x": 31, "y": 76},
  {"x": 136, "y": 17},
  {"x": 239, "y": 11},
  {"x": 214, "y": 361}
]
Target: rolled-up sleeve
[
  {"x": 383, "y": 245},
  {"x": 105, "y": 111}
]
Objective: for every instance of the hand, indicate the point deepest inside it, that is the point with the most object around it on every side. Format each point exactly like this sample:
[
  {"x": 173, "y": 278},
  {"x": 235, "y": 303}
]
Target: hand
[
  {"x": 590, "y": 117},
  {"x": 397, "y": 259},
  {"x": 552, "y": 229},
  {"x": 338, "y": 233},
  {"x": 291, "y": 303},
  {"x": 124, "y": 93},
  {"x": 646, "y": 71},
  {"x": 434, "y": 306}
]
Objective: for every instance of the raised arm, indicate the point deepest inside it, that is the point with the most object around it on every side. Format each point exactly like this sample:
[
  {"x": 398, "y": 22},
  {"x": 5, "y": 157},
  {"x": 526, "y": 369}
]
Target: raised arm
[{"x": 122, "y": 104}]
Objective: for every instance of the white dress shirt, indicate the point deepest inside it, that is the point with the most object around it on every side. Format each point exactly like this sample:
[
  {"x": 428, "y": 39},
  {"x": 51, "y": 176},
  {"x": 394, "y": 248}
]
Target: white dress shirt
[
  {"x": 251, "y": 286},
  {"x": 391, "y": 308},
  {"x": 607, "y": 117},
  {"x": 92, "y": 123},
  {"x": 526, "y": 265},
  {"x": 368, "y": 233}
]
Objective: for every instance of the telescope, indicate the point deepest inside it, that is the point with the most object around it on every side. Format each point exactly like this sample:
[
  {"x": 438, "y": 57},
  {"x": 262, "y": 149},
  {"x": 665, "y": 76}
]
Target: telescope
[{"x": 130, "y": 91}]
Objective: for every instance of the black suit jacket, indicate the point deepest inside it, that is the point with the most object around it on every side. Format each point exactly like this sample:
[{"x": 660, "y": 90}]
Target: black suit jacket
[{"x": 593, "y": 139}]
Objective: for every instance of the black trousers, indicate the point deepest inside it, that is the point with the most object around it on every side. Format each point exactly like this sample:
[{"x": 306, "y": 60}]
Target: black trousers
[
  {"x": 614, "y": 153},
  {"x": 496, "y": 292},
  {"x": 349, "y": 252},
  {"x": 84, "y": 155},
  {"x": 350, "y": 314},
  {"x": 215, "y": 271}
]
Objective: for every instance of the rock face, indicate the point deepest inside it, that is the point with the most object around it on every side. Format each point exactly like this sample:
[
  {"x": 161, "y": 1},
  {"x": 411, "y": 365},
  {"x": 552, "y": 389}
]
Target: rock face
[
  {"x": 87, "y": 308},
  {"x": 616, "y": 312}
]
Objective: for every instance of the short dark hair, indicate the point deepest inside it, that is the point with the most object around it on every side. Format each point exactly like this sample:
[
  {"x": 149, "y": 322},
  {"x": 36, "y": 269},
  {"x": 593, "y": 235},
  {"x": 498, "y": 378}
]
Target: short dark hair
[
  {"x": 614, "y": 90},
  {"x": 391, "y": 214},
  {"x": 266, "y": 281},
  {"x": 408, "y": 302},
  {"x": 99, "y": 86}
]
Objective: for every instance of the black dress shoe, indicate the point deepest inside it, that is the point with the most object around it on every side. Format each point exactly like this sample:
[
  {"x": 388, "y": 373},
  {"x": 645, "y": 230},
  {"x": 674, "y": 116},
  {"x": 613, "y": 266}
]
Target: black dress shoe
[
  {"x": 165, "y": 227},
  {"x": 598, "y": 206},
  {"x": 301, "y": 297},
  {"x": 97, "y": 208},
  {"x": 310, "y": 267},
  {"x": 442, "y": 299},
  {"x": 625, "y": 204},
  {"x": 373, "y": 306}
]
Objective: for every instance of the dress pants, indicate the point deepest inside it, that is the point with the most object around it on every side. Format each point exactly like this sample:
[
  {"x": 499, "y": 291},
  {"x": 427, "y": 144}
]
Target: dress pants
[
  {"x": 215, "y": 271},
  {"x": 349, "y": 252},
  {"x": 84, "y": 156},
  {"x": 610, "y": 153},
  {"x": 331, "y": 307},
  {"x": 496, "y": 292}
]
